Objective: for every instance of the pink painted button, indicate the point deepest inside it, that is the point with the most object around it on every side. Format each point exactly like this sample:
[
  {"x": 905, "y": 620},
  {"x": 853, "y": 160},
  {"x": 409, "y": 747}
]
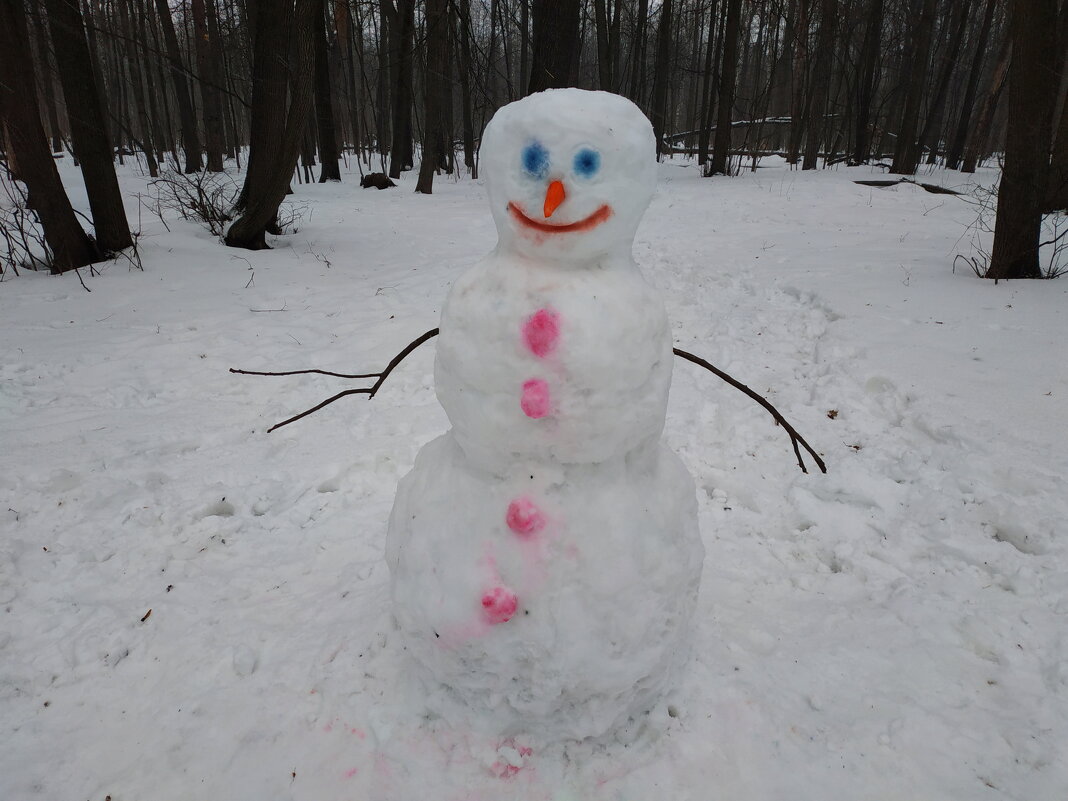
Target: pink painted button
[
  {"x": 541, "y": 332},
  {"x": 535, "y": 398},
  {"x": 499, "y": 604},
  {"x": 524, "y": 518}
]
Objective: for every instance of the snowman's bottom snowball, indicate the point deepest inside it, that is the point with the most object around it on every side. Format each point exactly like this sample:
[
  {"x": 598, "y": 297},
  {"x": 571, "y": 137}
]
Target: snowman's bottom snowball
[{"x": 604, "y": 591}]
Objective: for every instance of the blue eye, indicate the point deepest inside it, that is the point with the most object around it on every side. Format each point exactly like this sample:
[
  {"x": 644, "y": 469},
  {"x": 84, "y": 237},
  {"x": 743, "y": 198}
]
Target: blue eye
[
  {"x": 536, "y": 160},
  {"x": 587, "y": 162}
]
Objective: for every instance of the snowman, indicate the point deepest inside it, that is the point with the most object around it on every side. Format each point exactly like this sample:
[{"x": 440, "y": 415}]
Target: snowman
[{"x": 544, "y": 553}]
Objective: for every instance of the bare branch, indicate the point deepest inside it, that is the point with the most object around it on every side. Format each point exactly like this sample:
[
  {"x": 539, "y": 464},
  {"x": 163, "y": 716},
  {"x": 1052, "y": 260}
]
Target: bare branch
[{"x": 795, "y": 438}]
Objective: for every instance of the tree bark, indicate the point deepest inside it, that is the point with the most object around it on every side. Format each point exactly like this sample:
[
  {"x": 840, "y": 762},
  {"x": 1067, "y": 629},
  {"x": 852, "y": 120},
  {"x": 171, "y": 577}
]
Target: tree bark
[
  {"x": 277, "y": 126},
  {"x": 821, "y": 84},
  {"x": 932, "y": 127},
  {"x": 722, "y": 144},
  {"x": 402, "y": 39},
  {"x": 210, "y": 99},
  {"x": 436, "y": 93},
  {"x": 85, "y": 112},
  {"x": 956, "y": 148},
  {"x": 981, "y": 134},
  {"x": 907, "y": 151},
  {"x": 555, "y": 44},
  {"x": 637, "y": 52},
  {"x": 46, "y": 82},
  {"x": 865, "y": 90},
  {"x": 324, "y": 104},
  {"x": 187, "y": 118},
  {"x": 1022, "y": 192},
  {"x": 25, "y": 137},
  {"x": 661, "y": 69}
]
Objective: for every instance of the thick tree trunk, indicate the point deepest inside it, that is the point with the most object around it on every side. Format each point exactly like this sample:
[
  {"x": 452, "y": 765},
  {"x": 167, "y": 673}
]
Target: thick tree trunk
[
  {"x": 708, "y": 78},
  {"x": 722, "y": 144},
  {"x": 865, "y": 90},
  {"x": 85, "y": 111},
  {"x": 821, "y": 84},
  {"x": 907, "y": 152},
  {"x": 956, "y": 148},
  {"x": 402, "y": 38},
  {"x": 799, "y": 90},
  {"x": 210, "y": 98},
  {"x": 661, "y": 68},
  {"x": 461, "y": 10},
  {"x": 186, "y": 116},
  {"x": 277, "y": 125},
  {"x": 1057, "y": 189},
  {"x": 324, "y": 103},
  {"x": 555, "y": 44},
  {"x": 932, "y": 127},
  {"x": 637, "y": 52},
  {"x": 1022, "y": 192},
  {"x": 25, "y": 137},
  {"x": 436, "y": 93},
  {"x": 46, "y": 82},
  {"x": 981, "y": 135}
]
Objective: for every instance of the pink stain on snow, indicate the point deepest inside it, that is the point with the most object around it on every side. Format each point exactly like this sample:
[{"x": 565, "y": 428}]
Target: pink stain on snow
[
  {"x": 499, "y": 604},
  {"x": 524, "y": 518},
  {"x": 351, "y": 772},
  {"x": 535, "y": 398},
  {"x": 541, "y": 332}
]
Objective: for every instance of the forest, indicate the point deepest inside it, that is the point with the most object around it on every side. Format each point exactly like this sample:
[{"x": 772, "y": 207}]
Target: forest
[{"x": 272, "y": 92}]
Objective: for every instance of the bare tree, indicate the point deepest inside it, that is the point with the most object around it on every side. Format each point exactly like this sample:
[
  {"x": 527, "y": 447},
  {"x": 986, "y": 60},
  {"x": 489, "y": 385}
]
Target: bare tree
[
  {"x": 1022, "y": 193},
  {"x": 278, "y": 122},
  {"x": 85, "y": 112},
  {"x": 29, "y": 157},
  {"x": 555, "y": 44}
]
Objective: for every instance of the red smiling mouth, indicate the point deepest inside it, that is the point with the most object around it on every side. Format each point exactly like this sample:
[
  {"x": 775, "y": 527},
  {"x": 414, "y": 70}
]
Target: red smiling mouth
[{"x": 585, "y": 224}]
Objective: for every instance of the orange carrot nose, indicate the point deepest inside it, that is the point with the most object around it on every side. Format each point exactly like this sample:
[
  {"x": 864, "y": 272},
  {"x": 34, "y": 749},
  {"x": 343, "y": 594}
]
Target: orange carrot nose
[{"x": 554, "y": 196}]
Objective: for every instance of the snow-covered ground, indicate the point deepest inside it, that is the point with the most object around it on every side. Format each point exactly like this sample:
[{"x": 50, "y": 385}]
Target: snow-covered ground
[{"x": 194, "y": 608}]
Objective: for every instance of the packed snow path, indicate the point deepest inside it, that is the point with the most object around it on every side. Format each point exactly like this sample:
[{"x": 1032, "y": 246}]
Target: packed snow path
[{"x": 894, "y": 629}]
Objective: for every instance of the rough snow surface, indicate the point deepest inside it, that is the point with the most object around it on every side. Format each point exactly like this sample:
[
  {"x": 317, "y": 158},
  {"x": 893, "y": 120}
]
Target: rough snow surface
[{"x": 894, "y": 629}]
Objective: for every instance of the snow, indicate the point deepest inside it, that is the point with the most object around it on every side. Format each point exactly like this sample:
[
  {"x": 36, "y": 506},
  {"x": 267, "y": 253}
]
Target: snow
[{"x": 893, "y": 629}]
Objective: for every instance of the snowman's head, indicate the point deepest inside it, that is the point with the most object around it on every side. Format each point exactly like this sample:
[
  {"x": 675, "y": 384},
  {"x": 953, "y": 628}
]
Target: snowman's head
[{"x": 569, "y": 174}]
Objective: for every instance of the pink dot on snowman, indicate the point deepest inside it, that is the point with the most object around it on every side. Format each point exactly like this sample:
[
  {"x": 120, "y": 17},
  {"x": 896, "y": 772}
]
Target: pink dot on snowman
[
  {"x": 541, "y": 332},
  {"x": 499, "y": 605}
]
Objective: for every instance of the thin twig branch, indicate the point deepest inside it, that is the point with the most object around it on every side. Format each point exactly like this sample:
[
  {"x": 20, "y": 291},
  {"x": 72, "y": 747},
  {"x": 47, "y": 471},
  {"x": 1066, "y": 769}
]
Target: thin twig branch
[
  {"x": 302, "y": 372},
  {"x": 371, "y": 391},
  {"x": 795, "y": 438},
  {"x": 368, "y": 391}
]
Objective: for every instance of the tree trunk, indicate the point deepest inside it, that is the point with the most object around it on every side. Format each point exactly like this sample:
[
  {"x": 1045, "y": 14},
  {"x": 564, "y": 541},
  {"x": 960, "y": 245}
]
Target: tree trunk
[
  {"x": 186, "y": 116},
  {"x": 722, "y": 145},
  {"x": 277, "y": 126},
  {"x": 25, "y": 137},
  {"x": 821, "y": 84},
  {"x": 85, "y": 111},
  {"x": 799, "y": 74},
  {"x": 211, "y": 101},
  {"x": 461, "y": 10},
  {"x": 436, "y": 93},
  {"x": 708, "y": 79},
  {"x": 402, "y": 38},
  {"x": 637, "y": 52},
  {"x": 660, "y": 76},
  {"x": 555, "y": 43},
  {"x": 46, "y": 82},
  {"x": 932, "y": 127},
  {"x": 324, "y": 104},
  {"x": 907, "y": 152},
  {"x": 865, "y": 90},
  {"x": 1057, "y": 185},
  {"x": 983, "y": 123},
  {"x": 956, "y": 149},
  {"x": 1022, "y": 192}
]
